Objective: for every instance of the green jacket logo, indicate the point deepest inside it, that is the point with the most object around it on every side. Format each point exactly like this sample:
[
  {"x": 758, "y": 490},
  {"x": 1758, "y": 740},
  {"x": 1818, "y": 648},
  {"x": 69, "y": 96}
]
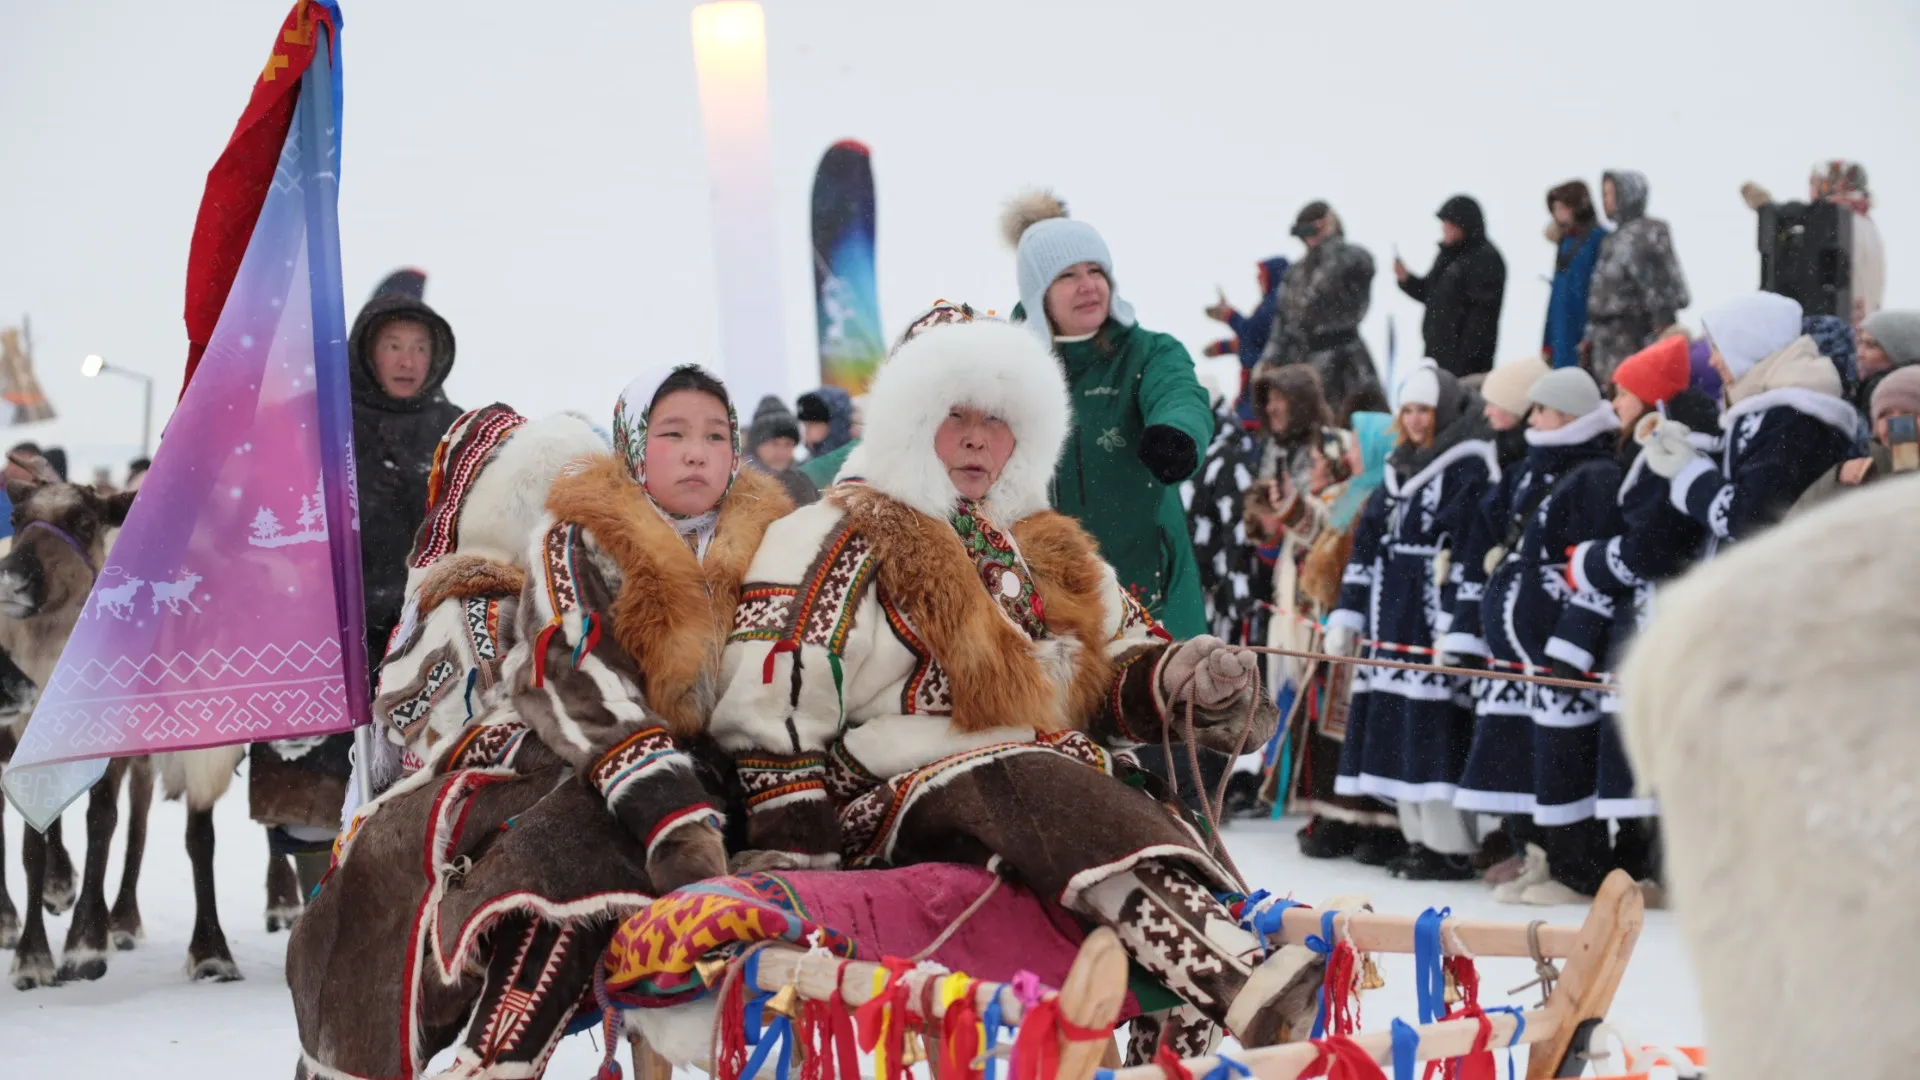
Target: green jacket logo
[{"x": 1111, "y": 440}]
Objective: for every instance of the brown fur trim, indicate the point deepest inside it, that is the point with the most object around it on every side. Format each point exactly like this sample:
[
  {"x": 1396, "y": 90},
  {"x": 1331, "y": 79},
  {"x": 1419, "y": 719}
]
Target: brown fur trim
[
  {"x": 1321, "y": 571},
  {"x": 1070, "y": 577},
  {"x": 673, "y": 612},
  {"x": 996, "y": 681},
  {"x": 459, "y": 576}
]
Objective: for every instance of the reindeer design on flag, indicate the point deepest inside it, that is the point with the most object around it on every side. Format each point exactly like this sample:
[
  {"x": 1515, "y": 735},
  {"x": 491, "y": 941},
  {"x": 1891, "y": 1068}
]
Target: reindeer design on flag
[
  {"x": 177, "y": 592},
  {"x": 118, "y": 601}
]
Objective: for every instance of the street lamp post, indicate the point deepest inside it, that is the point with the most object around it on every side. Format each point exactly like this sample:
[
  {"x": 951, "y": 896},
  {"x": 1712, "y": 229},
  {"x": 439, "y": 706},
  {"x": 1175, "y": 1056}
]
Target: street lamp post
[{"x": 93, "y": 365}]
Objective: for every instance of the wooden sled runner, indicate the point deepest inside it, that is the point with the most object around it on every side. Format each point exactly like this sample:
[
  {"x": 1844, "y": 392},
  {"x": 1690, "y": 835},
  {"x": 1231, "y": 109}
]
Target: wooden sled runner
[{"x": 1592, "y": 958}]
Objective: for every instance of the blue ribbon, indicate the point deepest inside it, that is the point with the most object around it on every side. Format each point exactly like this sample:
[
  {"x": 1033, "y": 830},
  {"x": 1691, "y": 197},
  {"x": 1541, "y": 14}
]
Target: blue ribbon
[
  {"x": 1519, "y": 1028},
  {"x": 1406, "y": 1049},
  {"x": 1322, "y": 944},
  {"x": 1429, "y": 964},
  {"x": 1264, "y": 923},
  {"x": 777, "y": 1034},
  {"x": 1227, "y": 1069},
  {"x": 473, "y": 676},
  {"x": 990, "y": 1022}
]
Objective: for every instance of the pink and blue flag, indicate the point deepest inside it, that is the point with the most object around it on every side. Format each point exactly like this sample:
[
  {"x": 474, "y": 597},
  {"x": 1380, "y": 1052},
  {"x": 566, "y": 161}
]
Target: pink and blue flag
[{"x": 229, "y": 609}]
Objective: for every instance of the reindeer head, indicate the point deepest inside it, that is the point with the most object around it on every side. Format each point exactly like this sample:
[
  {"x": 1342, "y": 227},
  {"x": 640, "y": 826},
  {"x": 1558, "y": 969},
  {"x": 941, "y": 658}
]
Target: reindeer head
[{"x": 59, "y": 540}]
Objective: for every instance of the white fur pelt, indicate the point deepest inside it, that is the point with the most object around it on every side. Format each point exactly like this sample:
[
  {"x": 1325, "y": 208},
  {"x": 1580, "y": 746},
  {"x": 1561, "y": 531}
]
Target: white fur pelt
[
  {"x": 1771, "y": 705},
  {"x": 509, "y": 496},
  {"x": 989, "y": 365},
  {"x": 202, "y": 776}
]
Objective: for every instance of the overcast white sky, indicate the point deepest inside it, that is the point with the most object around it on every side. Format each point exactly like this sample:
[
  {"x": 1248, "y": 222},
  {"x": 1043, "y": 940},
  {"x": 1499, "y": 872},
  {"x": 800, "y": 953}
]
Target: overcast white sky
[{"x": 544, "y": 162}]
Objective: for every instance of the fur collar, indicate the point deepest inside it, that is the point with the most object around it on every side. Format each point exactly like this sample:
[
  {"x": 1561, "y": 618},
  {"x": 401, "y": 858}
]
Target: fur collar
[
  {"x": 989, "y": 365},
  {"x": 997, "y": 673},
  {"x": 1460, "y": 451},
  {"x": 1835, "y": 412},
  {"x": 459, "y": 575},
  {"x": 1598, "y": 421},
  {"x": 1799, "y": 363},
  {"x": 673, "y": 612}
]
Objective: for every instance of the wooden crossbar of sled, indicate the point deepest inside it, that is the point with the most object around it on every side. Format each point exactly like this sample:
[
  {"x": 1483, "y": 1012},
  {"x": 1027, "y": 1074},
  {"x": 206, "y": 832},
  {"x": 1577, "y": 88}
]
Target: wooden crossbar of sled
[{"x": 1593, "y": 959}]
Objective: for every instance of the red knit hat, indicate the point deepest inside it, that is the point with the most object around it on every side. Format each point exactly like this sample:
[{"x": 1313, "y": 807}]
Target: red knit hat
[{"x": 1657, "y": 372}]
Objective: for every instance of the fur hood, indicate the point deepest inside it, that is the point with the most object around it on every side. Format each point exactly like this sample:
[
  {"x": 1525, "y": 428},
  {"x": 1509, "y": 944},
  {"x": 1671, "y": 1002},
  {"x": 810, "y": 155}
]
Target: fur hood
[
  {"x": 507, "y": 499},
  {"x": 989, "y": 365}
]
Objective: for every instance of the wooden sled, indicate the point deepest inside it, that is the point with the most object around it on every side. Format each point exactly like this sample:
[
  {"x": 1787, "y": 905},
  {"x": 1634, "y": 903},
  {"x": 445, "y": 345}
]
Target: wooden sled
[{"x": 1593, "y": 958}]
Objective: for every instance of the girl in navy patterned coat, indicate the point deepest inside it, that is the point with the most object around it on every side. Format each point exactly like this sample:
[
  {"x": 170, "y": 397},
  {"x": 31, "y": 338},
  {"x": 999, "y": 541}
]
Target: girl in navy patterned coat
[
  {"x": 1534, "y": 747},
  {"x": 1786, "y": 423},
  {"x": 1408, "y": 732},
  {"x": 1654, "y": 544}
]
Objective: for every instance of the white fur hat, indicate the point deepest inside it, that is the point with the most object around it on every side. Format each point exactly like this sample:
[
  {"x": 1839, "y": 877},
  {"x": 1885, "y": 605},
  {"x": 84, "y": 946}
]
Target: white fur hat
[
  {"x": 1750, "y": 328},
  {"x": 986, "y": 364}
]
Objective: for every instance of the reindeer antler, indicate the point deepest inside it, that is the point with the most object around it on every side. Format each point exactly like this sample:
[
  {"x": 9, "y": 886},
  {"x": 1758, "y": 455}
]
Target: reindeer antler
[{"x": 35, "y": 465}]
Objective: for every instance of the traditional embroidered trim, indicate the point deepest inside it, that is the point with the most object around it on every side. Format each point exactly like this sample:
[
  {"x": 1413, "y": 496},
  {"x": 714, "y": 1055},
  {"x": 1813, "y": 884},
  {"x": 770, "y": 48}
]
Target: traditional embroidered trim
[
  {"x": 562, "y": 590},
  {"x": 488, "y": 746},
  {"x": 1002, "y": 571},
  {"x": 483, "y": 627},
  {"x": 1134, "y": 616},
  {"x": 1079, "y": 746},
  {"x": 825, "y": 610},
  {"x": 927, "y": 689},
  {"x": 467, "y": 446},
  {"x": 639, "y": 753},
  {"x": 698, "y": 812},
  {"x": 765, "y": 613},
  {"x": 847, "y": 779},
  {"x": 1114, "y": 703},
  {"x": 868, "y": 824},
  {"x": 770, "y": 780},
  {"x": 411, "y": 713}
]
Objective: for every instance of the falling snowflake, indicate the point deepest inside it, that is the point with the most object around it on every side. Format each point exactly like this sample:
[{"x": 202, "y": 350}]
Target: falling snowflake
[
  {"x": 246, "y": 341},
  {"x": 235, "y": 492}
]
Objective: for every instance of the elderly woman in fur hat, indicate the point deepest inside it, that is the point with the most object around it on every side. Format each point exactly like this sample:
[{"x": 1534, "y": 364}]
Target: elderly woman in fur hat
[
  {"x": 930, "y": 665},
  {"x": 632, "y": 576}
]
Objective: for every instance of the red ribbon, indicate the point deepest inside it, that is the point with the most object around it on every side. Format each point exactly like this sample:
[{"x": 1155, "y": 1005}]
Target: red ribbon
[
  {"x": 1036, "y": 1050},
  {"x": 1170, "y": 1064},
  {"x": 540, "y": 641},
  {"x": 1343, "y": 1005},
  {"x": 1340, "y": 1058},
  {"x": 730, "y": 1058},
  {"x": 826, "y": 1030},
  {"x": 959, "y": 1040},
  {"x": 1476, "y": 1064},
  {"x": 885, "y": 1016},
  {"x": 783, "y": 645}
]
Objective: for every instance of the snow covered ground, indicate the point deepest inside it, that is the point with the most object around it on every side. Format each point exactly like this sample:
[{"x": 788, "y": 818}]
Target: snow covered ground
[{"x": 145, "y": 1014}]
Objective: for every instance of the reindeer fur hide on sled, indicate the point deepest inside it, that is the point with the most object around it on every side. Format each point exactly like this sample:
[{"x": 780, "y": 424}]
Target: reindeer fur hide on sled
[{"x": 1771, "y": 705}]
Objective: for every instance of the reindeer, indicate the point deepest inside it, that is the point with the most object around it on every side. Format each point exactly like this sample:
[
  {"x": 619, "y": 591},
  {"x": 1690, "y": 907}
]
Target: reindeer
[
  {"x": 59, "y": 543},
  {"x": 175, "y": 593}
]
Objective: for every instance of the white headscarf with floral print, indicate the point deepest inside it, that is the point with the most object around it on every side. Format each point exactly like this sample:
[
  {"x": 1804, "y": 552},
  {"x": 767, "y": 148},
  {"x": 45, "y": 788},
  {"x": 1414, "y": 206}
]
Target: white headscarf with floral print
[{"x": 630, "y": 415}]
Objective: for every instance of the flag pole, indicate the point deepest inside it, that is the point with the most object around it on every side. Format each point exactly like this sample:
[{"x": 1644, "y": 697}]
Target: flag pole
[{"x": 321, "y": 185}]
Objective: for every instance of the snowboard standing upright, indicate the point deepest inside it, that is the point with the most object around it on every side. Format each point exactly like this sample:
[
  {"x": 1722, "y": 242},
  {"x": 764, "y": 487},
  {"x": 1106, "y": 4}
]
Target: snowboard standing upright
[{"x": 845, "y": 300}]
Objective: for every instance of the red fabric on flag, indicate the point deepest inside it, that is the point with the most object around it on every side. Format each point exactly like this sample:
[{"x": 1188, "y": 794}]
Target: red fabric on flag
[{"x": 237, "y": 184}]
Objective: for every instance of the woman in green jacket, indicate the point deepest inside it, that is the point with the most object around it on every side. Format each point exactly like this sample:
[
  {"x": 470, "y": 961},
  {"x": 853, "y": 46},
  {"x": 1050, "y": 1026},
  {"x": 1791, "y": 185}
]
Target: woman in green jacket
[{"x": 1140, "y": 416}]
